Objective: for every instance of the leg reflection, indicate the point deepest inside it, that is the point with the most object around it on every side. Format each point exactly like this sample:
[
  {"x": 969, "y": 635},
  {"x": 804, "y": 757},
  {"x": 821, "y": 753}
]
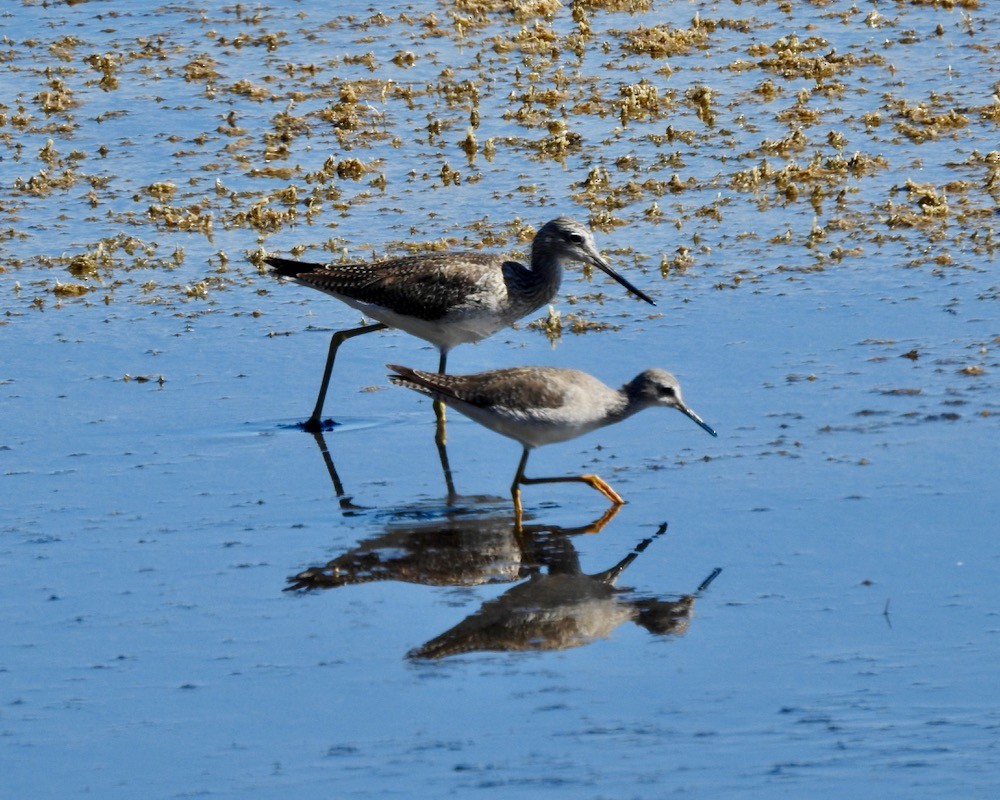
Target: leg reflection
[
  {"x": 345, "y": 502},
  {"x": 449, "y": 483}
]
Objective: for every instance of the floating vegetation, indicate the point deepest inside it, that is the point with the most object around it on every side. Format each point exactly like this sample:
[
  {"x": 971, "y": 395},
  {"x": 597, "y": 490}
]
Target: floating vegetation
[
  {"x": 664, "y": 41},
  {"x": 262, "y": 217},
  {"x": 238, "y": 121},
  {"x": 554, "y": 324},
  {"x": 919, "y": 122},
  {"x": 162, "y": 191},
  {"x": 70, "y": 289},
  {"x": 58, "y": 97},
  {"x": 678, "y": 263},
  {"x": 701, "y": 98},
  {"x": 928, "y": 199},
  {"x": 201, "y": 68},
  {"x": 191, "y": 218},
  {"x": 640, "y": 101}
]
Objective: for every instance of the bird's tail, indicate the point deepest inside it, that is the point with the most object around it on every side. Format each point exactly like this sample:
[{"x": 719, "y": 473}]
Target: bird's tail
[
  {"x": 288, "y": 268},
  {"x": 411, "y": 379}
]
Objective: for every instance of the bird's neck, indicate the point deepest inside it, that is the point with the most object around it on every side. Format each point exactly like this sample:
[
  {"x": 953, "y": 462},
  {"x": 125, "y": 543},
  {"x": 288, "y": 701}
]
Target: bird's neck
[
  {"x": 630, "y": 402},
  {"x": 538, "y": 284},
  {"x": 623, "y": 406}
]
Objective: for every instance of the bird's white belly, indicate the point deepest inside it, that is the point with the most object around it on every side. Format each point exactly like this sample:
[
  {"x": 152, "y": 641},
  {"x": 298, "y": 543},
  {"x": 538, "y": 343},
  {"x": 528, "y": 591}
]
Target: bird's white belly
[
  {"x": 540, "y": 427},
  {"x": 458, "y": 327}
]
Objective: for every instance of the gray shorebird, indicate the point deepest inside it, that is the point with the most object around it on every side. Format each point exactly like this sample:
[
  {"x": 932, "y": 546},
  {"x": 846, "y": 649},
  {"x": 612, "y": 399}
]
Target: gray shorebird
[
  {"x": 542, "y": 405},
  {"x": 448, "y": 298}
]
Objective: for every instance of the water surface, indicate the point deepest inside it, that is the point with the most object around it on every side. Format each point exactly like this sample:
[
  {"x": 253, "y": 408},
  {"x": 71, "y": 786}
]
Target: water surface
[{"x": 809, "y": 193}]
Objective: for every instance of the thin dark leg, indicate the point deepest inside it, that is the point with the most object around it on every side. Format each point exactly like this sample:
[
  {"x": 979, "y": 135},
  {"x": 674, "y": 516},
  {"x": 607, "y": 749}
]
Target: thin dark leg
[
  {"x": 441, "y": 436},
  {"x": 314, "y": 422}
]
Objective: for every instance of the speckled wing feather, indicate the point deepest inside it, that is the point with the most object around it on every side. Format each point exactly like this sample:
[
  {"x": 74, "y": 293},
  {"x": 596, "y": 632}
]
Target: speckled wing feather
[
  {"x": 516, "y": 388},
  {"x": 425, "y": 287}
]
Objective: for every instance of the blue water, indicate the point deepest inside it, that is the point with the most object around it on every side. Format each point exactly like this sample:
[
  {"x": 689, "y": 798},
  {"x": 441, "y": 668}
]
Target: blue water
[{"x": 849, "y": 645}]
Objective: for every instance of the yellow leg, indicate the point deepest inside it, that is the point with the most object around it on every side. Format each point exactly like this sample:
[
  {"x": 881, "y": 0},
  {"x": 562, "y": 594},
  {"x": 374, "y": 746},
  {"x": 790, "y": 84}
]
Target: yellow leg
[
  {"x": 441, "y": 435},
  {"x": 601, "y": 486},
  {"x": 515, "y": 488},
  {"x": 518, "y": 511},
  {"x": 592, "y": 481}
]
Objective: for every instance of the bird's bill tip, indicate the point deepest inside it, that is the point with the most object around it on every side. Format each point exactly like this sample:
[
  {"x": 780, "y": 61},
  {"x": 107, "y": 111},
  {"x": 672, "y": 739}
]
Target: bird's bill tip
[
  {"x": 603, "y": 265},
  {"x": 701, "y": 423}
]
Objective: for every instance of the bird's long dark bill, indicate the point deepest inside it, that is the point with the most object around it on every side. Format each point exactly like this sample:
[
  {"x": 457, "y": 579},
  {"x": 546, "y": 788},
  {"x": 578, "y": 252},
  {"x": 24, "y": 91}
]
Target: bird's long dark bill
[
  {"x": 603, "y": 265},
  {"x": 689, "y": 413}
]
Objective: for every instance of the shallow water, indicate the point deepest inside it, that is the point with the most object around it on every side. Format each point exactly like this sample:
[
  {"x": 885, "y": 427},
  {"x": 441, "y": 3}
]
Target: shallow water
[{"x": 835, "y": 324}]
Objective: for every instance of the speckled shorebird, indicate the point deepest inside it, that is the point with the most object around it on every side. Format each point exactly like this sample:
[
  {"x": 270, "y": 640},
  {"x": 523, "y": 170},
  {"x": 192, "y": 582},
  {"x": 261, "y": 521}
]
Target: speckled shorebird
[
  {"x": 448, "y": 298},
  {"x": 542, "y": 405}
]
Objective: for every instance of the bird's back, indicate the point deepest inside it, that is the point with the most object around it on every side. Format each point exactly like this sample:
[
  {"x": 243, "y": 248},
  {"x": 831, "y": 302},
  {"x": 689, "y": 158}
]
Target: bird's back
[
  {"x": 533, "y": 405},
  {"x": 425, "y": 287}
]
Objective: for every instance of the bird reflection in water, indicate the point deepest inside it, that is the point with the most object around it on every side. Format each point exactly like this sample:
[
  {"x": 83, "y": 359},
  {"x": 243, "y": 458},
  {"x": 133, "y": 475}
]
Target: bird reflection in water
[
  {"x": 561, "y": 609},
  {"x": 462, "y": 543},
  {"x": 463, "y": 546},
  {"x": 555, "y": 605}
]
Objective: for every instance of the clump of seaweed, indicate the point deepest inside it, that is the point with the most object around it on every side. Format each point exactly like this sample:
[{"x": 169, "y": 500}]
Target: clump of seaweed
[{"x": 664, "y": 41}]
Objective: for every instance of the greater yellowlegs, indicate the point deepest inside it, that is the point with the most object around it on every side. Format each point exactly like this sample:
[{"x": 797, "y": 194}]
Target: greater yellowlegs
[
  {"x": 448, "y": 298},
  {"x": 542, "y": 405}
]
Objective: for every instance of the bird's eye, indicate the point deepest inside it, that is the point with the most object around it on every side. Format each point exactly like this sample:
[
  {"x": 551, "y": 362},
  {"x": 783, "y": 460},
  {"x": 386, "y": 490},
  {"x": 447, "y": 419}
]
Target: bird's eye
[
  {"x": 667, "y": 391},
  {"x": 575, "y": 238}
]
